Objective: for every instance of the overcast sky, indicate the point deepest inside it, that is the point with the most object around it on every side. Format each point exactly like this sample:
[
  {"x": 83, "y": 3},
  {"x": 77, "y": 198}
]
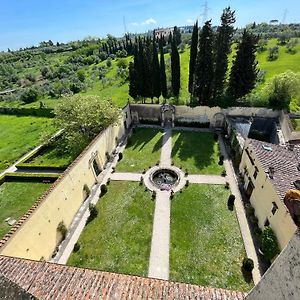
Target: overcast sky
[{"x": 27, "y": 22}]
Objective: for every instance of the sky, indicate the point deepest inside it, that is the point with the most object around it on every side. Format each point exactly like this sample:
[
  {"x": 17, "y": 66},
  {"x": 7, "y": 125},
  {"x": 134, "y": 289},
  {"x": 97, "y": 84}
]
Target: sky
[{"x": 27, "y": 22}]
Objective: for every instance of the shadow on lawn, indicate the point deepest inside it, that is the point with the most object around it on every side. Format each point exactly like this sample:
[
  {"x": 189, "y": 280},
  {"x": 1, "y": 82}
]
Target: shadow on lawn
[
  {"x": 199, "y": 146},
  {"x": 141, "y": 137}
]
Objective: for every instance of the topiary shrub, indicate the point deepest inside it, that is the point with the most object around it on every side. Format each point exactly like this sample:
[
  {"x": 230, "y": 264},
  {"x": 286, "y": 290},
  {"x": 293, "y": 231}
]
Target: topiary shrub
[
  {"x": 61, "y": 227},
  {"x": 269, "y": 243},
  {"x": 187, "y": 183},
  {"x": 93, "y": 212},
  {"x": 153, "y": 195},
  {"x": 248, "y": 264},
  {"x": 186, "y": 172},
  {"x": 76, "y": 247},
  {"x": 227, "y": 185},
  {"x": 141, "y": 180},
  {"x": 103, "y": 189},
  {"x": 120, "y": 156},
  {"x": 231, "y": 200},
  {"x": 108, "y": 181},
  {"x": 86, "y": 190},
  {"x": 221, "y": 160},
  {"x": 223, "y": 174}
]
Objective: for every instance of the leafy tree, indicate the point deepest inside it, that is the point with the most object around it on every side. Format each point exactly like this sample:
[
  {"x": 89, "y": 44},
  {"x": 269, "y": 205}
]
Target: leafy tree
[
  {"x": 282, "y": 89},
  {"x": 155, "y": 72},
  {"x": 244, "y": 71},
  {"x": 109, "y": 62},
  {"x": 122, "y": 63},
  {"x": 269, "y": 243},
  {"x": 29, "y": 95},
  {"x": 83, "y": 118},
  {"x": 175, "y": 69},
  {"x": 222, "y": 46},
  {"x": 273, "y": 53},
  {"x": 204, "y": 66},
  {"x": 193, "y": 56},
  {"x": 81, "y": 75},
  {"x": 163, "y": 78}
]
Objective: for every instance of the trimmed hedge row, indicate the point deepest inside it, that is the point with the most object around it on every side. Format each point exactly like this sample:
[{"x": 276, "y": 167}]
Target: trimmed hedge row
[
  {"x": 24, "y": 111},
  {"x": 28, "y": 177},
  {"x": 192, "y": 124}
]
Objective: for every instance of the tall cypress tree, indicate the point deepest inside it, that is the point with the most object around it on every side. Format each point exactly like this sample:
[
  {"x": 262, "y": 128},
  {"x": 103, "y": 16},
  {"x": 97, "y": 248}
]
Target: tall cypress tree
[
  {"x": 193, "y": 56},
  {"x": 204, "y": 66},
  {"x": 163, "y": 77},
  {"x": 244, "y": 70},
  {"x": 222, "y": 46},
  {"x": 175, "y": 68},
  {"x": 147, "y": 69},
  {"x": 177, "y": 35},
  {"x": 133, "y": 84},
  {"x": 155, "y": 72}
]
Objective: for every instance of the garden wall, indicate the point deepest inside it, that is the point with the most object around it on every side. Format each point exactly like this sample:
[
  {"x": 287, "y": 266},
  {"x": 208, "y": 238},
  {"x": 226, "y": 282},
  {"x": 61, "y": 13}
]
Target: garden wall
[
  {"x": 35, "y": 235},
  {"x": 201, "y": 114}
]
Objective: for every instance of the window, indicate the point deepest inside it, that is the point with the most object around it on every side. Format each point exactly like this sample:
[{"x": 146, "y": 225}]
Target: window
[
  {"x": 274, "y": 208},
  {"x": 267, "y": 223},
  {"x": 255, "y": 173},
  {"x": 96, "y": 168}
]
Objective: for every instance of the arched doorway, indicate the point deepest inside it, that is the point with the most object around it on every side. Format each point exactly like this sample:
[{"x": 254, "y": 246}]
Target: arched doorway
[
  {"x": 218, "y": 120},
  {"x": 167, "y": 115}
]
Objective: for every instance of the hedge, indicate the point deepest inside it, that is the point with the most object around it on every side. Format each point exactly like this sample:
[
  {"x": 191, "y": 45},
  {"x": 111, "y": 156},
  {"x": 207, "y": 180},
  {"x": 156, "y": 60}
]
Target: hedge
[
  {"x": 28, "y": 177},
  {"x": 192, "y": 124},
  {"x": 24, "y": 111}
]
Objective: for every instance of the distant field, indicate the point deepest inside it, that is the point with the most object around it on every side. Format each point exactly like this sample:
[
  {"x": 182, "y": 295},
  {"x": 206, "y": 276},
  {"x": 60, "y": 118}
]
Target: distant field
[
  {"x": 20, "y": 134},
  {"x": 16, "y": 198}
]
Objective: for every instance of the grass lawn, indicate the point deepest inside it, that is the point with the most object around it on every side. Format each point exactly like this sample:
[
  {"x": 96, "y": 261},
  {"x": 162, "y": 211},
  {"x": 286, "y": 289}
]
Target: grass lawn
[
  {"x": 296, "y": 124},
  {"x": 206, "y": 244},
  {"x": 20, "y": 134},
  {"x": 142, "y": 150},
  {"x": 119, "y": 239},
  {"x": 15, "y": 200},
  {"x": 196, "y": 151},
  {"x": 52, "y": 156}
]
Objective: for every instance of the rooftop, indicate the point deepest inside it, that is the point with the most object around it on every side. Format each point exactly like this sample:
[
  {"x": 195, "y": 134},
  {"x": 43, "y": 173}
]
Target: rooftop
[
  {"x": 284, "y": 162},
  {"x": 46, "y": 280}
]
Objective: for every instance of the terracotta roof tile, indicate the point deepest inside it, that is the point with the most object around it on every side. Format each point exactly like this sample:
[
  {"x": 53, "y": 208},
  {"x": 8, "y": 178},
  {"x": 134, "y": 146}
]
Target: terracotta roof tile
[
  {"x": 283, "y": 160},
  {"x": 52, "y": 281}
]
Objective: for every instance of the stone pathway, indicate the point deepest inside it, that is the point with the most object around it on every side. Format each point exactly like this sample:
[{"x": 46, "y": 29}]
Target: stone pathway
[
  {"x": 160, "y": 245},
  {"x": 240, "y": 212},
  {"x": 126, "y": 176},
  {"x": 166, "y": 150},
  {"x": 206, "y": 179}
]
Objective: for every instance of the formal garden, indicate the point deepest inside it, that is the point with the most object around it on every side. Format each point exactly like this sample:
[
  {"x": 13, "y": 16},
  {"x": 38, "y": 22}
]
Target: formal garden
[{"x": 206, "y": 246}]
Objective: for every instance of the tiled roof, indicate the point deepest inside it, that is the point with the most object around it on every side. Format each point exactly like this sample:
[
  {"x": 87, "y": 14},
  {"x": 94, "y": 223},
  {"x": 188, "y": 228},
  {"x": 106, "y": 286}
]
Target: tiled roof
[
  {"x": 285, "y": 164},
  {"x": 52, "y": 281}
]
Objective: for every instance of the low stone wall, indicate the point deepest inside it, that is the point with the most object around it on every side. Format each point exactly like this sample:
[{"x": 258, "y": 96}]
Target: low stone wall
[{"x": 35, "y": 235}]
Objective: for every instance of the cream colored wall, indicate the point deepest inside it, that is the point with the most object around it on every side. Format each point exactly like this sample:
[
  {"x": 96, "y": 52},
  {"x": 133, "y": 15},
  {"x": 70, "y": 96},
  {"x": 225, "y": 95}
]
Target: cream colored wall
[
  {"x": 38, "y": 236},
  {"x": 261, "y": 199}
]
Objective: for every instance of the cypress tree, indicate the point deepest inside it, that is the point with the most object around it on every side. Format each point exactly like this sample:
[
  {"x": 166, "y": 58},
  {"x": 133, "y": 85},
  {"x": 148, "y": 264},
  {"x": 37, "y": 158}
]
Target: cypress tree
[
  {"x": 147, "y": 70},
  {"x": 193, "y": 56},
  {"x": 244, "y": 70},
  {"x": 133, "y": 84},
  {"x": 175, "y": 68},
  {"x": 140, "y": 69},
  {"x": 177, "y": 35},
  {"x": 155, "y": 72},
  {"x": 163, "y": 78},
  {"x": 204, "y": 66},
  {"x": 222, "y": 46}
]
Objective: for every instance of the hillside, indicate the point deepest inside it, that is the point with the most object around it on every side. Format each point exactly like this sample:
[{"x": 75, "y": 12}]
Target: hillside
[{"x": 113, "y": 82}]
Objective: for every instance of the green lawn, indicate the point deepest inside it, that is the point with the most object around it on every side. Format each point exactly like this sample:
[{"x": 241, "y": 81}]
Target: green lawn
[
  {"x": 142, "y": 150},
  {"x": 119, "y": 239},
  {"x": 52, "y": 156},
  {"x": 197, "y": 152},
  {"x": 296, "y": 124},
  {"x": 16, "y": 198},
  {"x": 20, "y": 134},
  {"x": 206, "y": 244}
]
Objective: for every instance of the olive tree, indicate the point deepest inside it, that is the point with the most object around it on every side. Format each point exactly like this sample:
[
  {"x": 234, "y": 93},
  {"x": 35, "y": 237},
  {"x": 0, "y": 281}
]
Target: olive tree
[{"x": 83, "y": 118}]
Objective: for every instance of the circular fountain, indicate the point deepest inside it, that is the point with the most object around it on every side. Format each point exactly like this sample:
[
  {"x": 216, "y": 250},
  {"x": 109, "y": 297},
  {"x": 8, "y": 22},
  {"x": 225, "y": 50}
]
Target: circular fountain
[{"x": 164, "y": 179}]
